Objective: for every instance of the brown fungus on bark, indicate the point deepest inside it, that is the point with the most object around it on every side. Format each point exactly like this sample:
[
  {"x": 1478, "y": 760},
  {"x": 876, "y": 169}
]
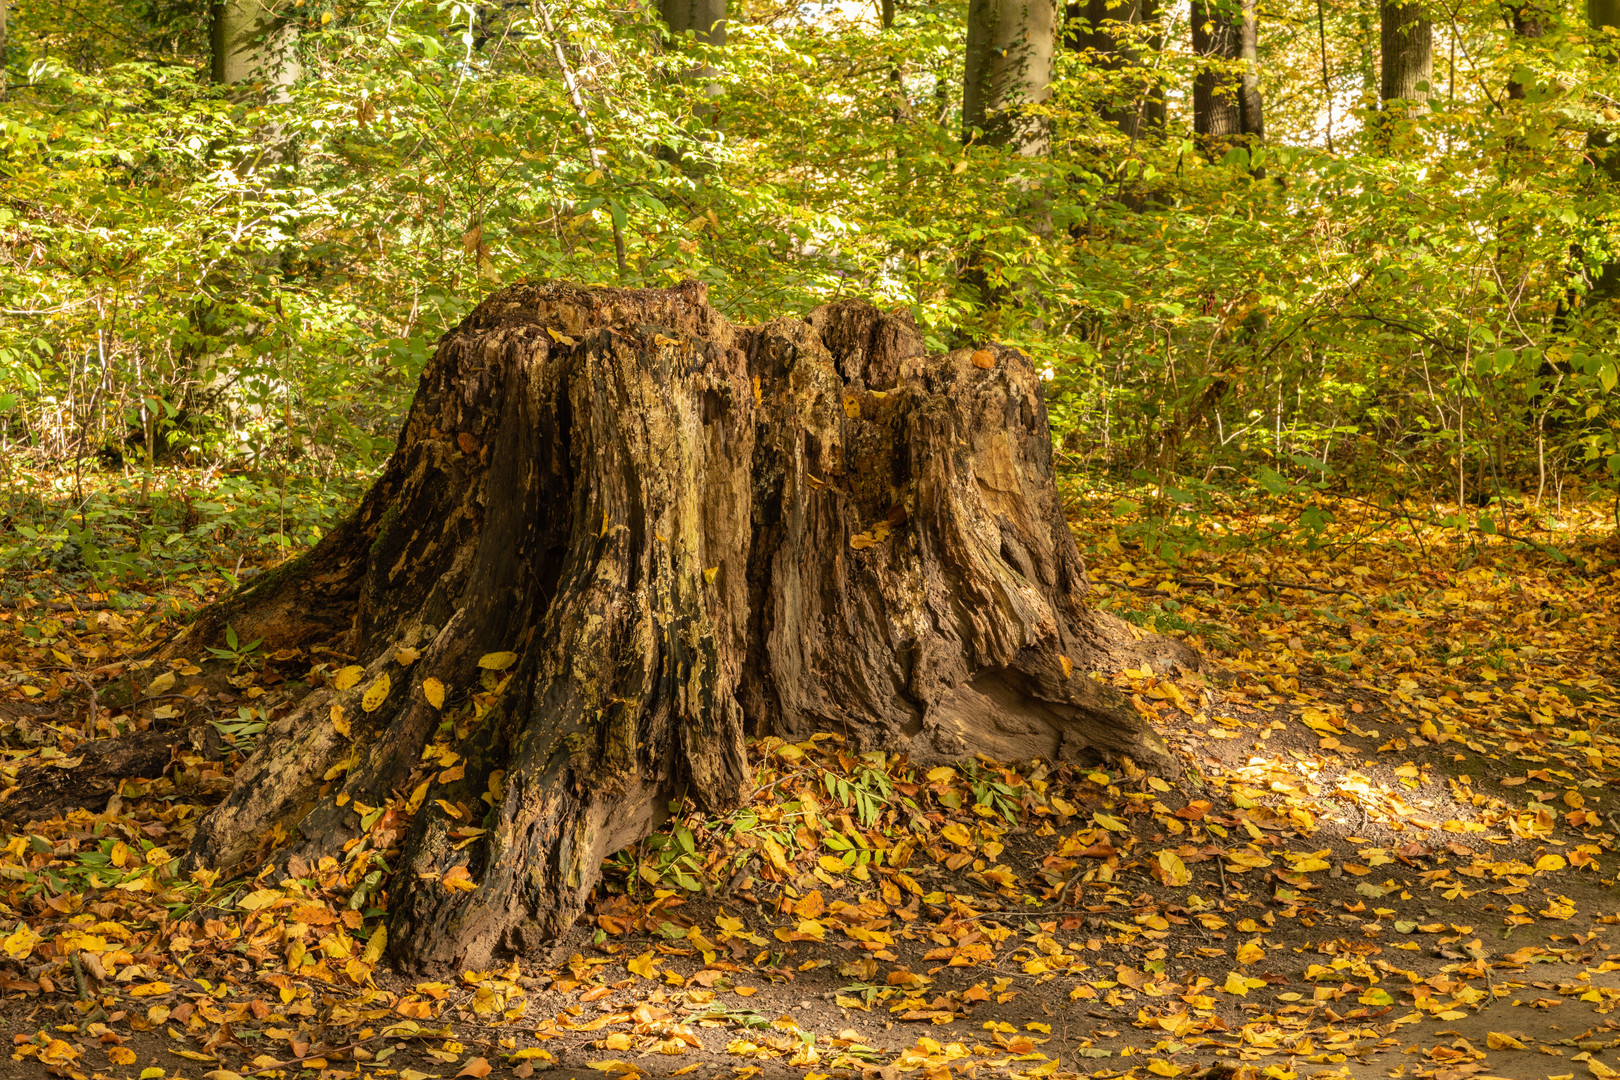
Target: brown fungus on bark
[{"x": 687, "y": 530}]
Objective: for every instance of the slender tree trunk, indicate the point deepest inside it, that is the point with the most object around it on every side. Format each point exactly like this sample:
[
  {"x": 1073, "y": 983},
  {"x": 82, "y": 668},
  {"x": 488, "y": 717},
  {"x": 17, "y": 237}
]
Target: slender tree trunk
[
  {"x": 897, "y": 88},
  {"x": 251, "y": 43},
  {"x": 1406, "y": 55},
  {"x": 617, "y": 533},
  {"x": 1251, "y": 109},
  {"x": 1603, "y": 142},
  {"x": 1110, "y": 31},
  {"x": 5, "y": 43},
  {"x": 1008, "y": 68}
]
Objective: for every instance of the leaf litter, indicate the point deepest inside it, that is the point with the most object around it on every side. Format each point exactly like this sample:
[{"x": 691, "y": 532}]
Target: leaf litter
[{"x": 1389, "y": 852}]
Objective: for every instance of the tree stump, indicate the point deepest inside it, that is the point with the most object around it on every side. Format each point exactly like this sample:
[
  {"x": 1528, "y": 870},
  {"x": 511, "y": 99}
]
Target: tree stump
[{"x": 686, "y": 531}]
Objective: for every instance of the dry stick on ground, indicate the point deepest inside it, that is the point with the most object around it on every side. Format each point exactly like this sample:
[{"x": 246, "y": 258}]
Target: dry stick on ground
[{"x": 585, "y": 122}]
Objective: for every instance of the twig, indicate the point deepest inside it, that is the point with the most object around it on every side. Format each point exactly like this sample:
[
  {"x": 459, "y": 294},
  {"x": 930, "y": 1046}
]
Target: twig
[{"x": 585, "y": 121}]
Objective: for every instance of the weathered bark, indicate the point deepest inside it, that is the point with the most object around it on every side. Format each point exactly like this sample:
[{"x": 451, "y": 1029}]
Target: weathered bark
[
  {"x": 1406, "y": 55},
  {"x": 87, "y": 777},
  {"x": 686, "y": 529},
  {"x": 1226, "y": 101},
  {"x": 1107, "y": 30},
  {"x": 1008, "y": 68}
]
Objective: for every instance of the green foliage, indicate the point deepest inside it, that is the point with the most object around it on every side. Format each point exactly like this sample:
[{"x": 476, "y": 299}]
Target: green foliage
[{"x": 191, "y": 273}]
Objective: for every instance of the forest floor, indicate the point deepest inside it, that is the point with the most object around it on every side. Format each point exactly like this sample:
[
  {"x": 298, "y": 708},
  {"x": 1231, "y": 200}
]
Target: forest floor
[{"x": 1391, "y": 851}]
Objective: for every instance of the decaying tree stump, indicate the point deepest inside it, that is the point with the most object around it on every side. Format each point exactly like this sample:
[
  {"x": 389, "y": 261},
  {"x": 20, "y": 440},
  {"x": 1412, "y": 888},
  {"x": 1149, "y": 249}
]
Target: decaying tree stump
[{"x": 686, "y": 531}]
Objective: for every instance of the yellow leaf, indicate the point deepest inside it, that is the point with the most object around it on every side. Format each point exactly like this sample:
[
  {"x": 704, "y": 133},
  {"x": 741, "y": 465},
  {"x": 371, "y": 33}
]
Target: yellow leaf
[
  {"x": 120, "y": 1055},
  {"x": 1551, "y": 862},
  {"x": 338, "y": 721},
  {"x": 406, "y": 657},
  {"x": 957, "y": 835},
  {"x": 1160, "y": 1067},
  {"x": 151, "y": 989},
  {"x": 375, "y": 694},
  {"x": 259, "y": 898},
  {"x": 457, "y": 879},
  {"x": 161, "y": 684},
  {"x": 1172, "y": 871},
  {"x": 347, "y": 677},
  {"x": 20, "y": 942},
  {"x": 497, "y": 661},
  {"x": 1068, "y": 666},
  {"x": 375, "y": 945},
  {"x": 433, "y": 690},
  {"x": 1496, "y": 1040},
  {"x": 1250, "y": 952},
  {"x": 559, "y": 338},
  {"x": 1107, "y": 821},
  {"x": 643, "y": 966}
]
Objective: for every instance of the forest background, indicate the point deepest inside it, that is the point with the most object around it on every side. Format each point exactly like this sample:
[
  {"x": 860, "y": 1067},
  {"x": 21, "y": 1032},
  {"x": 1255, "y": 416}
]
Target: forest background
[{"x": 1279, "y": 249}]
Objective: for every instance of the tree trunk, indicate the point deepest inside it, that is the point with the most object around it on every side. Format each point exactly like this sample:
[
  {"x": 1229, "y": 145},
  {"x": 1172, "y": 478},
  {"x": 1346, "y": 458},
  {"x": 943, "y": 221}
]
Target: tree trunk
[
  {"x": 1008, "y": 68},
  {"x": 1406, "y": 55},
  {"x": 5, "y": 43},
  {"x": 250, "y": 43},
  {"x": 1528, "y": 20},
  {"x": 676, "y": 530},
  {"x": 1603, "y": 145},
  {"x": 1226, "y": 105},
  {"x": 1251, "y": 108},
  {"x": 1109, "y": 31},
  {"x": 705, "y": 20}
]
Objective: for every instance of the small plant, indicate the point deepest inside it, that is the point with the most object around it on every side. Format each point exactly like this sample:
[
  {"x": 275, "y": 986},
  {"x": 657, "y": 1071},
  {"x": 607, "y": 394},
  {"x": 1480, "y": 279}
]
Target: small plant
[
  {"x": 866, "y": 790},
  {"x": 237, "y": 653},
  {"x": 241, "y": 731}
]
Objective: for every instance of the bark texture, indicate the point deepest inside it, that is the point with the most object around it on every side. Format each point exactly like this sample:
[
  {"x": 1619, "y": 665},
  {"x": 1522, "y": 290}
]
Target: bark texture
[
  {"x": 1226, "y": 97},
  {"x": 705, "y": 20},
  {"x": 1009, "y": 51},
  {"x": 686, "y": 530},
  {"x": 1406, "y": 55},
  {"x": 1122, "y": 37},
  {"x": 88, "y": 777},
  {"x": 251, "y": 43}
]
